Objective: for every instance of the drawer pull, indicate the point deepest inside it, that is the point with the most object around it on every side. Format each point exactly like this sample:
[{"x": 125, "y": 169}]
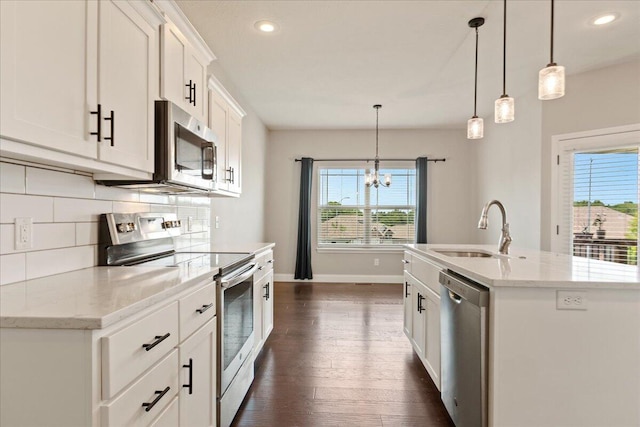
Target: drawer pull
[
  {"x": 204, "y": 308},
  {"x": 404, "y": 261},
  {"x": 260, "y": 268},
  {"x": 267, "y": 289},
  {"x": 190, "y": 385},
  {"x": 158, "y": 340},
  {"x": 160, "y": 394},
  {"x": 270, "y": 261},
  {"x": 406, "y": 290}
]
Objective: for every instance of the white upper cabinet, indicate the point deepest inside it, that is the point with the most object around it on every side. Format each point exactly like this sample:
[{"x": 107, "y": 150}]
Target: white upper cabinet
[
  {"x": 128, "y": 76},
  {"x": 78, "y": 82},
  {"x": 225, "y": 119},
  {"x": 184, "y": 73},
  {"x": 48, "y": 74}
]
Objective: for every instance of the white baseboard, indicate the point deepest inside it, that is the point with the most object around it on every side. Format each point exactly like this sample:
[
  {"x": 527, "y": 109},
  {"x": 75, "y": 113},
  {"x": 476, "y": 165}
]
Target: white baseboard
[{"x": 342, "y": 278}]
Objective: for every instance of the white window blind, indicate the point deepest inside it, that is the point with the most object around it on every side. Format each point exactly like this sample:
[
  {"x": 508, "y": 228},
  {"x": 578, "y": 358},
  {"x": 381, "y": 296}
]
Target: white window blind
[
  {"x": 599, "y": 200},
  {"x": 353, "y": 215}
]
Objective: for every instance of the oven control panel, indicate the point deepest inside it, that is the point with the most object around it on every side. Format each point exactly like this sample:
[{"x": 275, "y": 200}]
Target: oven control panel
[{"x": 137, "y": 227}]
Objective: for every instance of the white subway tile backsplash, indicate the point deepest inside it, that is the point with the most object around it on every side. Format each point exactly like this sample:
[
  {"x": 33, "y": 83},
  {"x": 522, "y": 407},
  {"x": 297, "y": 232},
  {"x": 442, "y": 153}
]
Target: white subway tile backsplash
[
  {"x": 65, "y": 208},
  {"x": 80, "y": 210},
  {"x": 126, "y": 207},
  {"x": 86, "y": 233},
  {"x": 12, "y": 178},
  {"x": 114, "y": 193},
  {"x": 14, "y": 206},
  {"x": 45, "y": 236},
  {"x": 53, "y": 183},
  {"x": 12, "y": 268},
  {"x": 46, "y": 263}
]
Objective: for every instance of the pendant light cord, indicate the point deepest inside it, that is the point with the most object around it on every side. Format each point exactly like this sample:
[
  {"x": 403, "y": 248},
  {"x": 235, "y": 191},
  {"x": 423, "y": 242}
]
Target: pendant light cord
[
  {"x": 504, "y": 52},
  {"x": 475, "y": 90},
  {"x": 552, "y": 20},
  {"x": 377, "y": 111}
]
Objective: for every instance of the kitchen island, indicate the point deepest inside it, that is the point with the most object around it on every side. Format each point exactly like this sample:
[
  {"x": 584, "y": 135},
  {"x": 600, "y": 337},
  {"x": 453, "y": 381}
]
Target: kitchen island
[{"x": 564, "y": 334}]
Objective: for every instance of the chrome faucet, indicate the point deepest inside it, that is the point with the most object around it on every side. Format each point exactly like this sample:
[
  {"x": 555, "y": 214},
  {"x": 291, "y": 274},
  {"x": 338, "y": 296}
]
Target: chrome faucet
[{"x": 505, "y": 238}]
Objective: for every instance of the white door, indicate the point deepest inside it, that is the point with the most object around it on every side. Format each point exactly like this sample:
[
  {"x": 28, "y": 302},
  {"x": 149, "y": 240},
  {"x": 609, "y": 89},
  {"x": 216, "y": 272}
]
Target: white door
[
  {"x": 234, "y": 154},
  {"x": 48, "y": 74},
  {"x": 218, "y": 112},
  {"x": 198, "y": 377},
  {"x": 267, "y": 311},
  {"x": 128, "y": 80},
  {"x": 196, "y": 72}
]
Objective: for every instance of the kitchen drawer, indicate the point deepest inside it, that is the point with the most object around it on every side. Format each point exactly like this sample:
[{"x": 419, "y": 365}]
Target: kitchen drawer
[
  {"x": 128, "y": 410},
  {"x": 132, "y": 350},
  {"x": 196, "y": 309},
  {"x": 265, "y": 264},
  {"x": 426, "y": 272},
  {"x": 407, "y": 261}
]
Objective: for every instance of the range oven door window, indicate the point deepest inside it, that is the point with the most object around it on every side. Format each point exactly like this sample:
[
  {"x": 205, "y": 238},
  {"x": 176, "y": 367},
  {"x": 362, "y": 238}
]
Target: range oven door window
[
  {"x": 194, "y": 155},
  {"x": 238, "y": 319}
]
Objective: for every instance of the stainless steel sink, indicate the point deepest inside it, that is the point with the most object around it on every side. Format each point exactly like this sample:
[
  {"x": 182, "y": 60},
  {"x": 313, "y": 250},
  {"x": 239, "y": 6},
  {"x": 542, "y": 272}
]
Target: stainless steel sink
[{"x": 463, "y": 254}]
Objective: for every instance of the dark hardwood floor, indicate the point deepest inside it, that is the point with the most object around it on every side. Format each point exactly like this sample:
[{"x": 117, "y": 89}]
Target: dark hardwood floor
[{"x": 337, "y": 357}]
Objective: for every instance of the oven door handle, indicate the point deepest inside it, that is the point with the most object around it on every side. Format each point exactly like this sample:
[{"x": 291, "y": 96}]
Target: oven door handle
[{"x": 235, "y": 280}]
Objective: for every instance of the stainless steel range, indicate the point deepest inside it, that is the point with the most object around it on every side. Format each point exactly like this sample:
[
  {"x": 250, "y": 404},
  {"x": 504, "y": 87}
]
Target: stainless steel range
[{"x": 147, "y": 239}]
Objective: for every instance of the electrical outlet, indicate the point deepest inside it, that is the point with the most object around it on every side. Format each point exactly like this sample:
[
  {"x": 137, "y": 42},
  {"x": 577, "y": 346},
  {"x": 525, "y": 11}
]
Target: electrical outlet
[
  {"x": 376, "y": 262},
  {"x": 217, "y": 221},
  {"x": 23, "y": 233},
  {"x": 571, "y": 300}
]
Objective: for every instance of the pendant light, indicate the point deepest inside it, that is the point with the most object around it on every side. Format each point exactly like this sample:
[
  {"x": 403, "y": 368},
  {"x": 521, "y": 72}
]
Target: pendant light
[
  {"x": 374, "y": 178},
  {"x": 551, "y": 78},
  {"x": 504, "y": 107},
  {"x": 475, "y": 125}
]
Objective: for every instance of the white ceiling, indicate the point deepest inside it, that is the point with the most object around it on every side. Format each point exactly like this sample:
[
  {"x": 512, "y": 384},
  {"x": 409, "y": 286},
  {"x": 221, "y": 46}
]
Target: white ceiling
[{"x": 331, "y": 61}]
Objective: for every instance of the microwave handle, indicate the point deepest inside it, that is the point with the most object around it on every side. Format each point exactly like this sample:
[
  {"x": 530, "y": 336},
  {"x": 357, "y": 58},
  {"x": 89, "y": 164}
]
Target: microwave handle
[{"x": 208, "y": 176}]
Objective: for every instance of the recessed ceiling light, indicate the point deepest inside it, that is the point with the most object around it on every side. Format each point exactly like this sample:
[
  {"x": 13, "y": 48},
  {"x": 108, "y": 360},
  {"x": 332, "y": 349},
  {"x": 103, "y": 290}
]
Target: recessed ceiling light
[
  {"x": 266, "y": 26},
  {"x": 604, "y": 19}
]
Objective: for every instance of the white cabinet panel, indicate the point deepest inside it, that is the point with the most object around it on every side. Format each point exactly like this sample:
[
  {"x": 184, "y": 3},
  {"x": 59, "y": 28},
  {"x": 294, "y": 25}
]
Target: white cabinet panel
[
  {"x": 408, "y": 306},
  {"x": 198, "y": 378},
  {"x": 234, "y": 152},
  {"x": 196, "y": 71},
  {"x": 128, "y": 58},
  {"x": 48, "y": 72},
  {"x": 218, "y": 116}
]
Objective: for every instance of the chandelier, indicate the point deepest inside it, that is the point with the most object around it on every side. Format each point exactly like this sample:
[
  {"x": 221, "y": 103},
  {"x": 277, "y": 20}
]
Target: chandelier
[{"x": 373, "y": 179}]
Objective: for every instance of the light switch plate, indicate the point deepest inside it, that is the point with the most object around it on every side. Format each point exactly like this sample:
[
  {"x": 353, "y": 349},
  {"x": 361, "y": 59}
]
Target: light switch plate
[{"x": 23, "y": 233}]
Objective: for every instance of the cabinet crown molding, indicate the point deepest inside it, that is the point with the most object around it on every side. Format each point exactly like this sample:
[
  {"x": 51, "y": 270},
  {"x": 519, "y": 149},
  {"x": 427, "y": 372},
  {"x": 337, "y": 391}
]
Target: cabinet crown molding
[
  {"x": 214, "y": 84},
  {"x": 177, "y": 16}
]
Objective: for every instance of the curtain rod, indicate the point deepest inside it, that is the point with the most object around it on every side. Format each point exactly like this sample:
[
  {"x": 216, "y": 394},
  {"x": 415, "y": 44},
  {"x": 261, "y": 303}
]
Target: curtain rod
[{"x": 371, "y": 160}]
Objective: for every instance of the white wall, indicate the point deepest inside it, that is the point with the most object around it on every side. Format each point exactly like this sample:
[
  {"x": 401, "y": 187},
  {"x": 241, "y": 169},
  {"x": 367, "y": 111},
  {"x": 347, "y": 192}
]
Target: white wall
[
  {"x": 508, "y": 169},
  {"x": 597, "y": 99},
  {"x": 242, "y": 219},
  {"x": 65, "y": 208},
  {"x": 449, "y": 191}
]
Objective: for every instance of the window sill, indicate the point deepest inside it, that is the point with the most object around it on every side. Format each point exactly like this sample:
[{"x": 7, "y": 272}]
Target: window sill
[{"x": 384, "y": 250}]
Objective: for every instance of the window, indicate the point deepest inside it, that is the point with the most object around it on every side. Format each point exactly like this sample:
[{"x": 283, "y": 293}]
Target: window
[
  {"x": 351, "y": 214},
  {"x": 598, "y": 181}
]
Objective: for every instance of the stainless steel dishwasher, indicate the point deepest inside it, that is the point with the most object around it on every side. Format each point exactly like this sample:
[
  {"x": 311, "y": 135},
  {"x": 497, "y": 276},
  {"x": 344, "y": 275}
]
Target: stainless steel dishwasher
[{"x": 464, "y": 315}]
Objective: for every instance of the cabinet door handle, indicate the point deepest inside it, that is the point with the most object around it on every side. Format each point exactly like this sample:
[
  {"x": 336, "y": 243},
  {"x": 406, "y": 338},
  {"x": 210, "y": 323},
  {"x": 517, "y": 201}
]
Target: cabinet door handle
[
  {"x": 267, "y": 293},
  {"x": 233, "y": 175},
  {"x": 204, "y": 308},
  {"x": 420, "y": 307},
  {"x": 111, "y": 119},
  {"x": 194, "y": 94},
  {"x": 260, "y": 268},
  {"x": 270, "y": 261},
  {"x": 406, "y": 289},
  {"x": 98, "y": 133},
  {"x": 190, "y": 385},
  {"x": 229, "y": 171},
  {"x": 158, "y": 340},
  {"x": 189, "y": 85},
  {"x": 160, "y": 394}
]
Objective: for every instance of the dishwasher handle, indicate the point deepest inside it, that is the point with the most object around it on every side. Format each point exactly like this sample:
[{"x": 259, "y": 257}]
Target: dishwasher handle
[{"x": 455, "y": 298}]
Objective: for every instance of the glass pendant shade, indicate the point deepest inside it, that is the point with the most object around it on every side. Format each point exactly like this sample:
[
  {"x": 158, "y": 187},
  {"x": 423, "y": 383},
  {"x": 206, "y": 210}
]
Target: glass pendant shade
[
  {"x": 504, "y": 109},
  {"x": 475, "y": 128},
  {"x": 551, "y": 82}
]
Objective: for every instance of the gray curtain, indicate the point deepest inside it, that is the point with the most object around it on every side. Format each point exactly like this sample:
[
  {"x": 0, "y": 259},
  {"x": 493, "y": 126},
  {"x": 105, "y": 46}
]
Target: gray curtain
[
  {"x": 303, "y": 253},
  {"x": 421, "y": 199}
]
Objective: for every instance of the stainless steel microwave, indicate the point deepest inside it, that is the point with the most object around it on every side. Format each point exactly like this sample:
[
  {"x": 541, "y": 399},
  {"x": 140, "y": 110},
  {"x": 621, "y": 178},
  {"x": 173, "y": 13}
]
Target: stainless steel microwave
[{"x": 185, "y": 155}]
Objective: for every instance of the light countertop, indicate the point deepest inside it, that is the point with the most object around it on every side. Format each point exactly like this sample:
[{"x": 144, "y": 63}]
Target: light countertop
[
  {"x": 531, "y": 268},
  {"x": 97, "y": 297},
  {"x": 254, "y": 248}
]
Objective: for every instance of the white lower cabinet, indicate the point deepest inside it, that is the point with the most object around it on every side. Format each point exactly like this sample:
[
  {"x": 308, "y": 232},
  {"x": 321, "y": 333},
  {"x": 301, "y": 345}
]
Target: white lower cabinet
[
  {"x": 140, "y": 371},
  {"x": 263, "y": 299},
  {"x": 198, "y": 378},
  {"x": 422, "y": 313}
]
